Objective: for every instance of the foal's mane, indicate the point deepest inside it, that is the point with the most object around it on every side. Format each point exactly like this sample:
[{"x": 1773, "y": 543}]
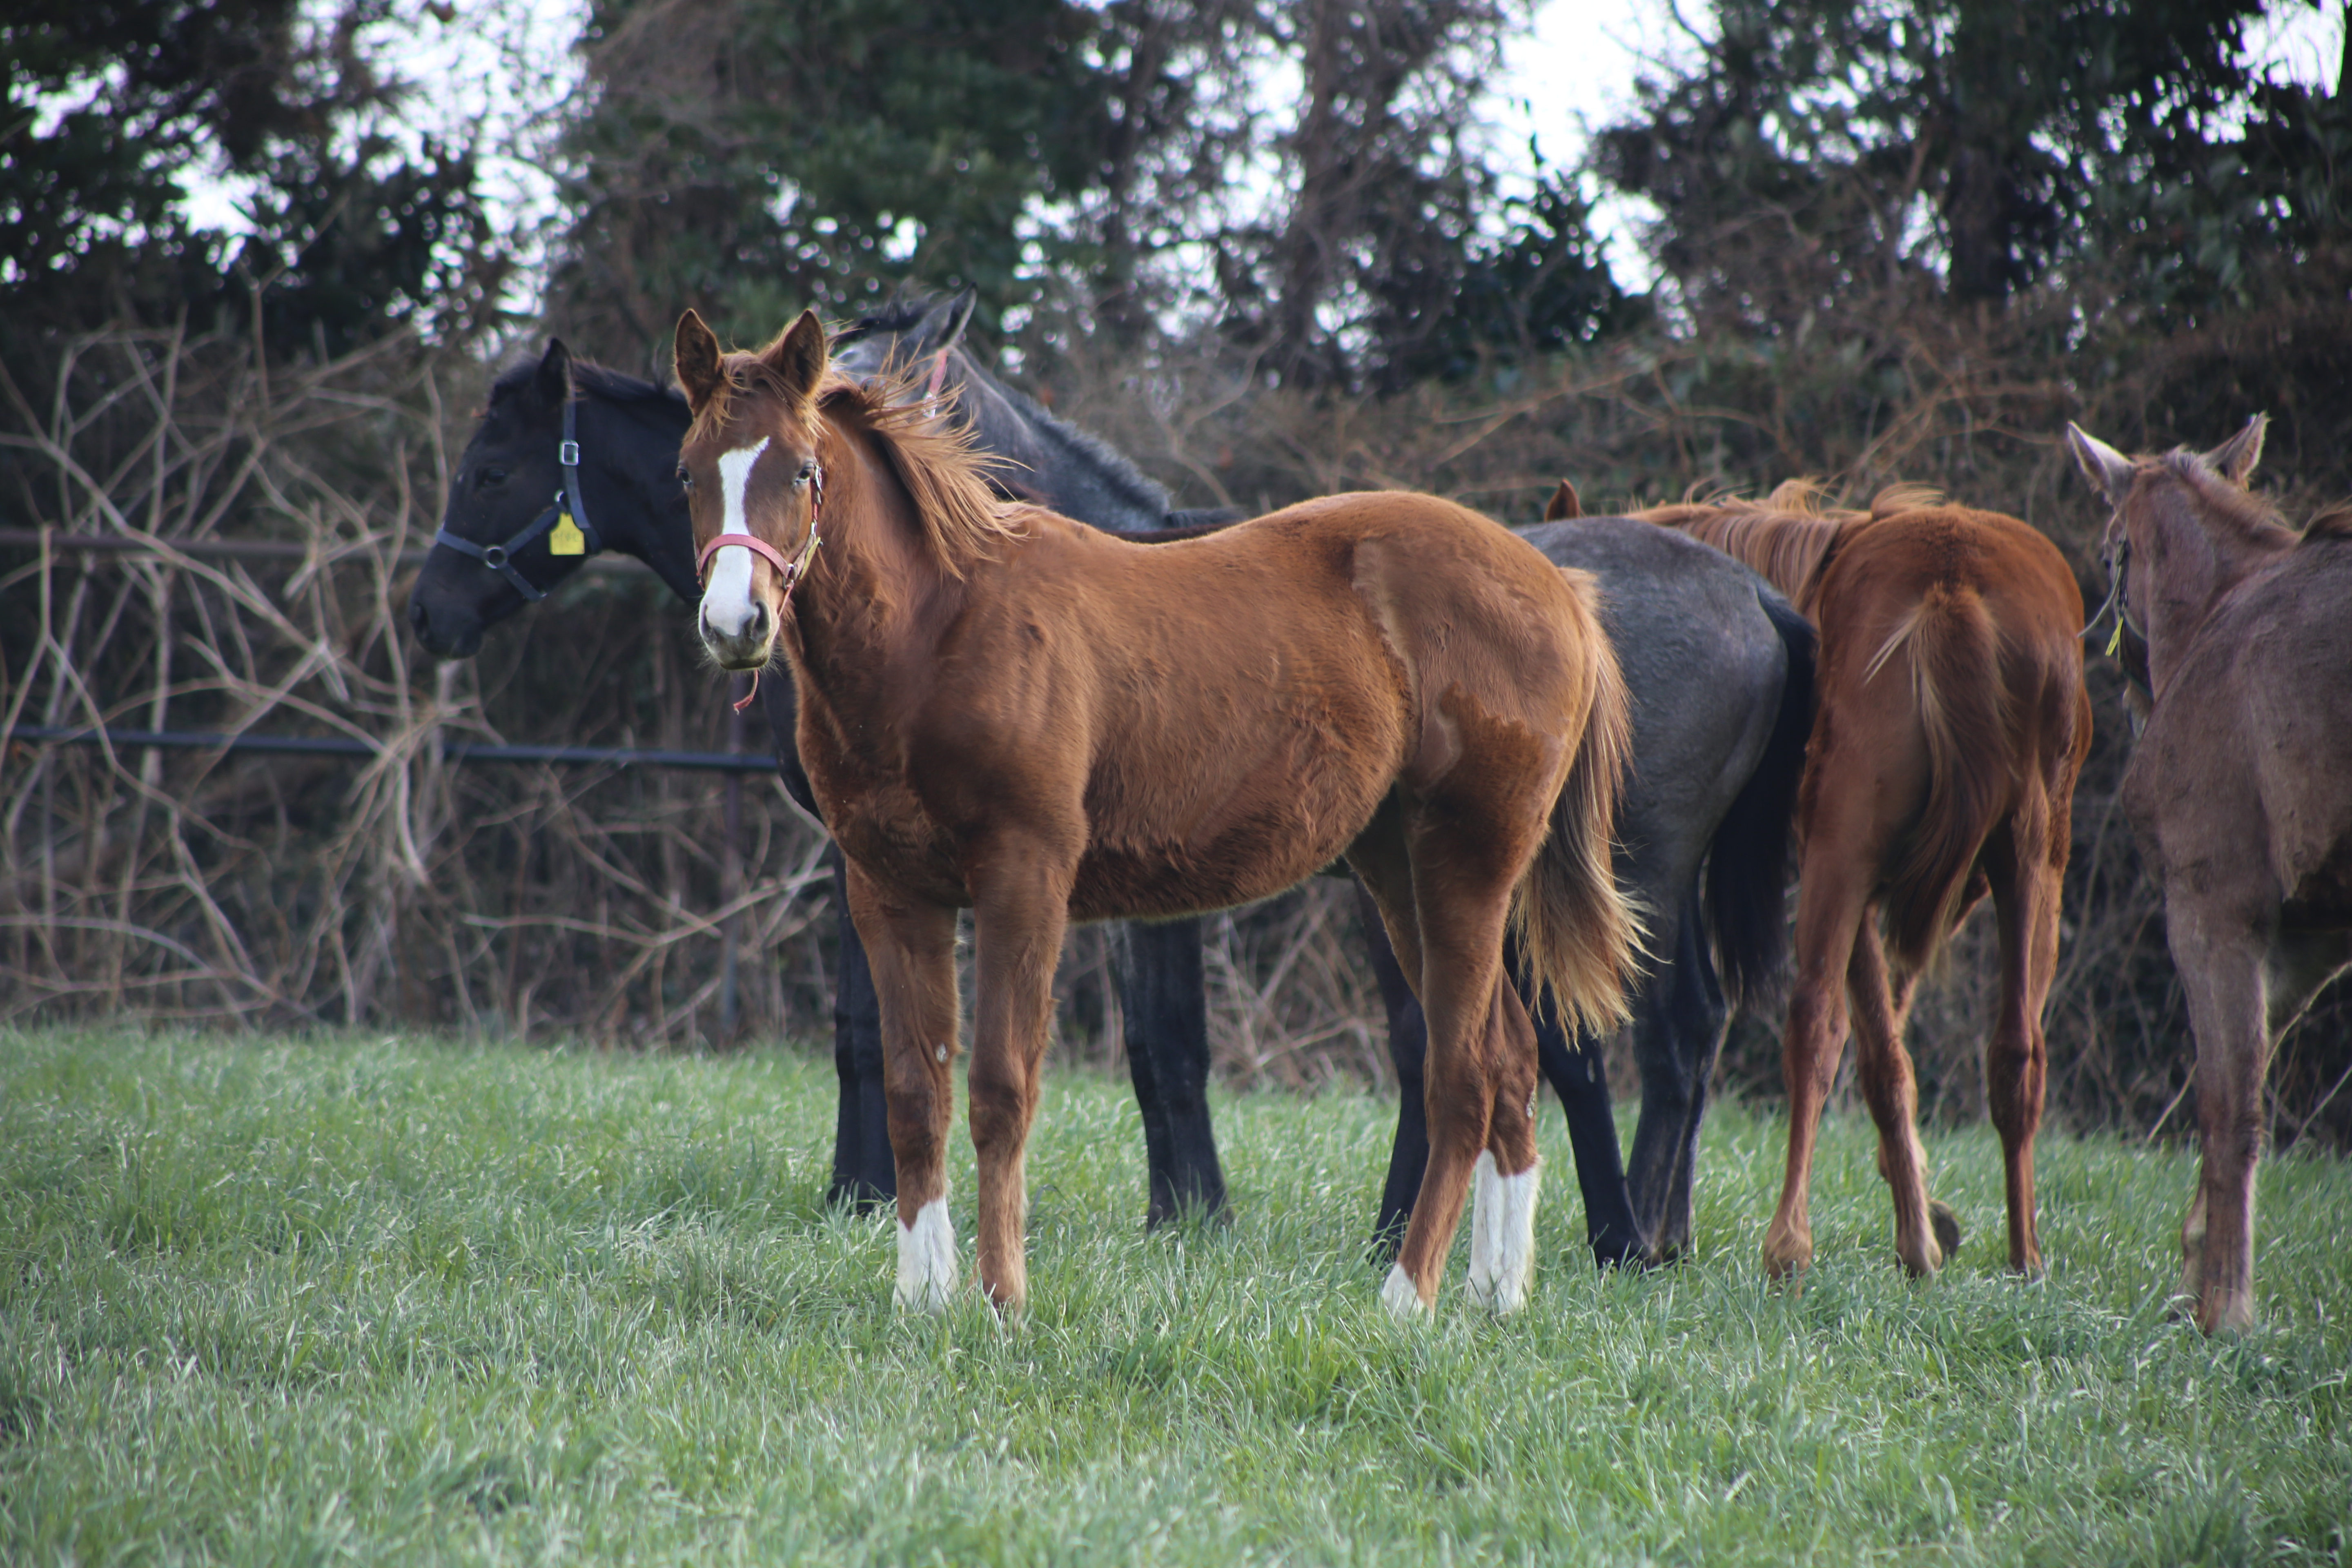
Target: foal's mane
[
  {"x": 931, "y": 453},
  {"x": 2254, "y": 519},
  {"x": 905, "y": 312},
  {"x": 1788, "y": 536}
]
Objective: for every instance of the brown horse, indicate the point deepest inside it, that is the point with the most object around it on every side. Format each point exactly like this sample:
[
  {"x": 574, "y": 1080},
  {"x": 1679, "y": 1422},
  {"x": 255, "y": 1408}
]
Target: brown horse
[
  {"x": 1004, "y": 710},
  {"x": 2240, "y": 789},
  {"x": 1951, "y": 725}
]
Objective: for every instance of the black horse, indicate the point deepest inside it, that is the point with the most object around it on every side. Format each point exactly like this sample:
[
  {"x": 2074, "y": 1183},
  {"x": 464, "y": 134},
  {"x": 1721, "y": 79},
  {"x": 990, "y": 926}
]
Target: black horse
[
  {"x": 1720, "y": 666},
  {"x": 572, "y": 459}
]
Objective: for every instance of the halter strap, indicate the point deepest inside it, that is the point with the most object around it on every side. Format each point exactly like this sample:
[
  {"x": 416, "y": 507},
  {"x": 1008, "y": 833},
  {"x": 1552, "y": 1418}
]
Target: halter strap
[
  {"x": 939, "y": 373},
  {"x": 2115, "y": 601},
  {"x": 571, "y": 498}
]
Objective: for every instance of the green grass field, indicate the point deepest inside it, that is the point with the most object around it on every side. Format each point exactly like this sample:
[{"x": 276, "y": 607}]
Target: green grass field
[{"x": 351, "y": 1299}]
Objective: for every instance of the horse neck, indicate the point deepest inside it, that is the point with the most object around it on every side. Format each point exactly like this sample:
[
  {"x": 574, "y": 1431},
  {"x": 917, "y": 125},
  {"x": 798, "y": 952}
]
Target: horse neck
[
  {"x": 1072, "y": 472},
  {"x": 2187, "y": 563},
  {"x": 629, "y": 469},
  {"x": 877, "y": 599}
]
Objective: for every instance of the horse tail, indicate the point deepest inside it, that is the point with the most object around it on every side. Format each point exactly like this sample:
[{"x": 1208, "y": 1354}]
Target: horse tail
[
  {"x": 1747, "y": 863},
  {"x": 1580, "y": 936},
  {"x": 1953, "y": 648}
]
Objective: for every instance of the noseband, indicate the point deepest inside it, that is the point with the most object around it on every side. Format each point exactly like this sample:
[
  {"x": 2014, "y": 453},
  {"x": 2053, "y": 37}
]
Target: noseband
[
  {"x": 567, "y": 514},
  {"x": 790, "y": 571}
]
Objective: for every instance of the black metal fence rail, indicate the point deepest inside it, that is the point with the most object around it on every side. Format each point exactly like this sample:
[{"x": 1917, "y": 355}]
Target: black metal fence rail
[
  {"x": 236, "y": 549},
  {"x": 346, "y": 746}
]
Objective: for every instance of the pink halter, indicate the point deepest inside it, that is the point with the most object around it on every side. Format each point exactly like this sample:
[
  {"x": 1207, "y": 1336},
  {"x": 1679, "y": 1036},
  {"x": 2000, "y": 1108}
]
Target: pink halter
[{"x": 790, "y": 571}]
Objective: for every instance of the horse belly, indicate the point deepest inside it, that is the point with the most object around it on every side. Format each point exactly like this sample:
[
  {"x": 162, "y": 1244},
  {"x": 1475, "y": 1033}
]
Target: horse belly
[{"x": 1230, "y": 834}]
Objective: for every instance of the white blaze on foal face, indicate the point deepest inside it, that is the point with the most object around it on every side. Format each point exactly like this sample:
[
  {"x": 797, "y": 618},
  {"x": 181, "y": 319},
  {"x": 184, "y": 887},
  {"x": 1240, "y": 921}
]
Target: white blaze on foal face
[{"x": 727, "y": 607}]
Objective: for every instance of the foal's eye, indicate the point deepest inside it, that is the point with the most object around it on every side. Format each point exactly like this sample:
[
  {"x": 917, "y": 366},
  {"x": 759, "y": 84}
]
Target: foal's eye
[
  {"x": 684, "y": 479},
  {"x": 487, "y": 479},
  {"x": 808, "y": 472}
]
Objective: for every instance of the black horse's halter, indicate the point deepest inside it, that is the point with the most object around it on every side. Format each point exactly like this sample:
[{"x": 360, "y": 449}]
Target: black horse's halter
[{"x": 568, "y": 506}]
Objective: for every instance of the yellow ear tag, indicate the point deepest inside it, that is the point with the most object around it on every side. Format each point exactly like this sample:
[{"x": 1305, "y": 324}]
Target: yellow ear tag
[
  {"x": 567, "y": 539},
  {"x": 2114, "y": 642}
]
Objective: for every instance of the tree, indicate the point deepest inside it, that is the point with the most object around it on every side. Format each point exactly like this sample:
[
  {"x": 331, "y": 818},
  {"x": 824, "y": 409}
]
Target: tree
[
  {"x": 749, "y": 157},
  {"x": 113, "y": 105},
  {"x": 1820, "y": 142}
]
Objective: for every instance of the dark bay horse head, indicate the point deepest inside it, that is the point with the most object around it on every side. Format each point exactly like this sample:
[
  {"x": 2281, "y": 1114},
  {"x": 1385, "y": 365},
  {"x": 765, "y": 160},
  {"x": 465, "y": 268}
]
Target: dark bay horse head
[
  {"x": 1049, "y": 461},
  {"x": 520, "y": 520}
]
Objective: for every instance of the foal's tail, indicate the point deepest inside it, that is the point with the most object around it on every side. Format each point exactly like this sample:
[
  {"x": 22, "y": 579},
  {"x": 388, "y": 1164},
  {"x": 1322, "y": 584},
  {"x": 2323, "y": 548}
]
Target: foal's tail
[
  {"x": 1747, "y": 862},
  {"x": 1581, "y": 935},
  {"x": 1954, "y": 652}
]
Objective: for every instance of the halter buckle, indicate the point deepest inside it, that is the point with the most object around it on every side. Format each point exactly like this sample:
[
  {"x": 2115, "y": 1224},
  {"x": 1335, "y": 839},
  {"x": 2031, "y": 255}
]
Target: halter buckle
[
  {"x": 494, "y": 556},
  {"x": 568, "y": 454}
]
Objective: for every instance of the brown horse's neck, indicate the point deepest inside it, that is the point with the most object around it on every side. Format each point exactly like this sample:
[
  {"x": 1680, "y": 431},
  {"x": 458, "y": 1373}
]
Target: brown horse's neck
[
  {"x": 876, "y": 598},
  {"x": 2189, "y": 551}
]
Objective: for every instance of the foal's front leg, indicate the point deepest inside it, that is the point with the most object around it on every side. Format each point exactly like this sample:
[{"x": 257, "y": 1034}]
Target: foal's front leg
[
  {"x": 1020, "y": 908},
  {"x": 911, "y": 946}
]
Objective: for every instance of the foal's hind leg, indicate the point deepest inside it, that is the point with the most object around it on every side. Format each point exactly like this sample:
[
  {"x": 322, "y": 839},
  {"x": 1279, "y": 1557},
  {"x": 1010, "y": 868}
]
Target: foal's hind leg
[
  {"x": 1893, "y": 1096},
  {"x": 1019, "y": 912},
  {"x": 912, "y": 947},
  {"x": 1460, "y": 893},
  {"x": 1832, "y": 906},
  {"x": 1507, "y": 1175},
  {"x": 2025, "y": 890}
]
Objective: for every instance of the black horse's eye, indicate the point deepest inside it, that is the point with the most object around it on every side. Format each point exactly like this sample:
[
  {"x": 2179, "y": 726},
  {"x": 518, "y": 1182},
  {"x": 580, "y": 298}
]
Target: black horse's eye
[{"x": 487, "y": 479}]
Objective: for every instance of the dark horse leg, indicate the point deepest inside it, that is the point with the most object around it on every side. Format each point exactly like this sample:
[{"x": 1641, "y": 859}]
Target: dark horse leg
[
  {"x": 865, "y": 1176},
  {"x": 1679, "y": 1020},
  {"x": 1164, "y": 1001},
  {"x": 1576, "y": 1075}
]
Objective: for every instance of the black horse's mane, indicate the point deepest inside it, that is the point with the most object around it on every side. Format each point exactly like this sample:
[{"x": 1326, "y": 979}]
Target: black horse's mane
[{"x": 903, "y": 313}]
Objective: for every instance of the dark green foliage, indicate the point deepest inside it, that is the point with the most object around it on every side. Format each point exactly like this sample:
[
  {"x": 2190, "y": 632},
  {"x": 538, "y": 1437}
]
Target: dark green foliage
[
  {"x": 749, "y": 157},
  {"x": 113, "y": 107},
  {"x": 1542, "y": 289}
]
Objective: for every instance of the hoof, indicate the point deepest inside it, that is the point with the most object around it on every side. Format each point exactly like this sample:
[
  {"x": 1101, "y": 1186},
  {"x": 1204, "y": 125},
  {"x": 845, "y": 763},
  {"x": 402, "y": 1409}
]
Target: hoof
[
  {"x": 1402, "y": 1298},
  {"x": 1945, "y": 1225}
]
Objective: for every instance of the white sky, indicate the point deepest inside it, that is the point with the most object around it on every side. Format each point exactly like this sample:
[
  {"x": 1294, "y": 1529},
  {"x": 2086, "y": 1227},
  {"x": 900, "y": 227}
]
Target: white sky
[{"x": 500, "y": 71}]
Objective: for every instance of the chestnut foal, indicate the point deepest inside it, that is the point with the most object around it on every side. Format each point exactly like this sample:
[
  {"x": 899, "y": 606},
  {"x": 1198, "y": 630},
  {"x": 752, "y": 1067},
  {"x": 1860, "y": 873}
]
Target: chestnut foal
[{"x": 1004, "y": 711}]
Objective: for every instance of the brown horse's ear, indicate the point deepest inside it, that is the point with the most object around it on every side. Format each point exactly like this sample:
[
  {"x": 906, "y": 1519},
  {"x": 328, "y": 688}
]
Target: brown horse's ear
[
  {"x": 798, "y": 356},
  {"x": 1563, "y": 504},
  {"x": 2234, "y": 459},
  {"x": 697, "y": 358},
  {"x": 2109, "y": 471}
]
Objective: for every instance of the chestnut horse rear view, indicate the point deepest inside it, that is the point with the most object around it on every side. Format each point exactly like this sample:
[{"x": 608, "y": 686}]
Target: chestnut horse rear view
[
  {"x": 2240, "y": 789},
  {"x": 1951, "y": 725},
  {"x": 1003, "y": 710}
]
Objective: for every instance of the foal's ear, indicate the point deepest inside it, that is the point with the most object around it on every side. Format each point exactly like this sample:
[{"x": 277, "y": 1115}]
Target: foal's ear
[
  {"x": 2234, "y": 459},
  {"x": 798, "y": 356},
  {"x": 1563, "y": 504},
  {"x": 552, "y": 381},
  {"x": 696, "y": 349},
  {"x": 2109, "y": 471}
]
